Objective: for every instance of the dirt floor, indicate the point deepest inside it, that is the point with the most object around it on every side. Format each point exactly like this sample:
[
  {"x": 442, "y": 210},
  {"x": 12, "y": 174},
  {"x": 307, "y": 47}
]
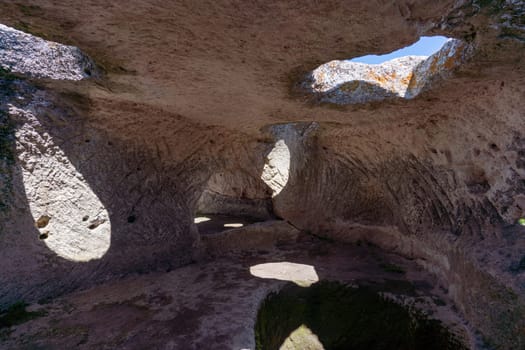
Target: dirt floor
[
  {"x": 213, "y": 304},
  {"x": 211, "y": 224}
]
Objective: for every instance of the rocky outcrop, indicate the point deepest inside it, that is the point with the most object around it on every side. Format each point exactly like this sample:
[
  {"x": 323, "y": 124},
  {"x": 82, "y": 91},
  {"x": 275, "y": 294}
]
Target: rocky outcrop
[
  {"x": 35, "y": 57},
  {"x": 347, "y": 82}
]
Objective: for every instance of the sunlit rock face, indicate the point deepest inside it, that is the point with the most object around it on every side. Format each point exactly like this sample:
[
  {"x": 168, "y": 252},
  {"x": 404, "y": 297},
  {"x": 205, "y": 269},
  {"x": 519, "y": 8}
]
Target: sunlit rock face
[
  {"x": 346, "y": 82},
  {"x": 35, "y": 57},
  {"x": 277, "y": 168},
  {"x": 286, "y": 154},
  {"x": 69, "y": 217}
]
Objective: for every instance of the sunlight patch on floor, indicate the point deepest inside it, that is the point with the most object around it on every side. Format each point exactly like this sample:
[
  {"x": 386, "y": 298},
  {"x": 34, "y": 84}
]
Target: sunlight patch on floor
[
  {"x": 300, "y": 274},
  {"x": 302, "y": 338},
  {"x": 69, "y": 217},
  {"x": 234, "y": 225}
]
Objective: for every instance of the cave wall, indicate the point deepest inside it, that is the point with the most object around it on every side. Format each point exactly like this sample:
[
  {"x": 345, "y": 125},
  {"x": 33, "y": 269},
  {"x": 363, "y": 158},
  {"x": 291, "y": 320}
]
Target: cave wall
[
  {"x": 170, "y": 105},
  {"x": 440, "y": 188},
  {"x": 113, "y": 206}
]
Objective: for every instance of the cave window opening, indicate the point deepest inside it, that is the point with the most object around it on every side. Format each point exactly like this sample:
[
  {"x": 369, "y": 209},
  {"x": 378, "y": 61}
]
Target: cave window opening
[
  {"x": 403, "y": 73},
  {"x": 424, "y": 47}
]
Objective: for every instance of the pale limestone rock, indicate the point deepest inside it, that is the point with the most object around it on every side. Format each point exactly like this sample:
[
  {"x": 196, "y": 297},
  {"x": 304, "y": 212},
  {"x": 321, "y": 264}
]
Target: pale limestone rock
[
  {"x": 277, "y": 168},
  {"x": 347, "y": 82},
  {"x": 71, "y": 220},
  {"x": 286, "y": 152}
]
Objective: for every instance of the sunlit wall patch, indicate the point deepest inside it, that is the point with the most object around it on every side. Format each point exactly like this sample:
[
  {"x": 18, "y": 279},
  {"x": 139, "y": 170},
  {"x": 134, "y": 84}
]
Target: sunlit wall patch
[
  {"x": 353, "y": 81},
  {"x": 69, "y": 217},
  {"x": 276, "y": 169}
]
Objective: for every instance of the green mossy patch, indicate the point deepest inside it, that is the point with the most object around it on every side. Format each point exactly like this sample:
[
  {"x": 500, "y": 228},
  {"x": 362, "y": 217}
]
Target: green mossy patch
[{"x": 344, "y": 317}]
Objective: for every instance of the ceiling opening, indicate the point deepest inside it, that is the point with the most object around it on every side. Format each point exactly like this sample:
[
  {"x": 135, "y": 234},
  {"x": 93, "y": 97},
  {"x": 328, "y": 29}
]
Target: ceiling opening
[
  {"x": 424, "y": 47},
  {"x": 404, "y": 73}
]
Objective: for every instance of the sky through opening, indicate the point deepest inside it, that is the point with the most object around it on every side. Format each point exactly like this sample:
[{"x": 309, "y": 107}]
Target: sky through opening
[{"x": 425, "y": 46}]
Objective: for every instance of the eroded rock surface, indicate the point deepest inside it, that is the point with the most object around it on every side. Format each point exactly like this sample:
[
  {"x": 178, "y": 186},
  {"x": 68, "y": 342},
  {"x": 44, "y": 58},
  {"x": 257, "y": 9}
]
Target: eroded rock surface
[
  {"x": 35, "y": 57},
  {"x": 346, "y": 82},
  {"x": 181, "y": 108}
]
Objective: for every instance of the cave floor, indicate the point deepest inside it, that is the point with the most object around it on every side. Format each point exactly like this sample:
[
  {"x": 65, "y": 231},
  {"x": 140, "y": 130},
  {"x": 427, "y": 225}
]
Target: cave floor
[
  {"x": 212, "y": 304},
  {"x": 213, "y": 224}
]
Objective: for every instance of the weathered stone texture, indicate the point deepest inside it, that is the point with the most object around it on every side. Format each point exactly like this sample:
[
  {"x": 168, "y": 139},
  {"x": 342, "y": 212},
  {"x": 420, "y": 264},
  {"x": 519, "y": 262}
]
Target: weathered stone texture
[{"x": 193, "y": 97}]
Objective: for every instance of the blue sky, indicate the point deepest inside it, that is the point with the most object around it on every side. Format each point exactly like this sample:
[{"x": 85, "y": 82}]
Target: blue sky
[{"x": 425, "y": 46}]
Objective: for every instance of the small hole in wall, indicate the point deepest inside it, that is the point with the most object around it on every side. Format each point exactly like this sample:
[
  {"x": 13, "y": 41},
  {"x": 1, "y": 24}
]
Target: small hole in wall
[
  {"x": 96, "y": 223},
  {"x": 85, "y": 218},
  {"x": 494, "y": 147},
  {"x": 131, "y": 219},
  {"x": 42, "y": 221},
  {"x": 87, "y": 140},
  {"x": 43, "y": 235},
  {"x": 87, "y": 71}
]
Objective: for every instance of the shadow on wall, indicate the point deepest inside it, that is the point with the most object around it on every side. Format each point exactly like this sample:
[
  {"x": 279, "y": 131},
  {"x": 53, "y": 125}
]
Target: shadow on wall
[
  {"x": 314, "y": 189},
  {"x": 403, "y": 205},
  {"x": 289, "y": 154},
  {"x": 236, "y": 193},
  {"x": 87, "y": 206}
]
